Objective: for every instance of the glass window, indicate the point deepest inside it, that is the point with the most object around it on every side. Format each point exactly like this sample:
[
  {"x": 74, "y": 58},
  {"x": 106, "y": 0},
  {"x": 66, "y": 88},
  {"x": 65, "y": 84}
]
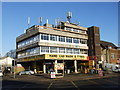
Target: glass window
[
  {"x": 61, "y": 50},
  {"x": 69, "y": 50},
  {"x": 75, "y": 30},
  {"x": 36, "y": 50},
  {"x": 44, "y": 49},
  {"x": 53, "y": 49},
  {"x": 61, "y": 39},
  {"x": 28, "y": 52},
  {"x": 76, "y": 51},
  {"x": 28, "y": 41},
  {"x": 69, "y": 40},
  {"x": 112, "y": 55},
  {"x": 75, "y": 40},
  {"x": 83, "y": 32},
  {"x": 83, "y": 51},
  {"x": 31, "y": 51},
  {"x": 53, "y": 38},
  {"x": 44, "y": 37},
  {"x": 31, "y": 40},
  {"x": 36, "y": 38},
  {"x": 83, "y": 41},
  {"x": 23, "y": 43},
  {"x": 69, "y": 29}
]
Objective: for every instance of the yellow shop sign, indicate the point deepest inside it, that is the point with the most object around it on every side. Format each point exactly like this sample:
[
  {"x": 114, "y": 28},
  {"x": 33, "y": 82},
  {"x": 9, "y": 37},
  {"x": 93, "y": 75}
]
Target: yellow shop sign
[{"x": 66, "y": 57}]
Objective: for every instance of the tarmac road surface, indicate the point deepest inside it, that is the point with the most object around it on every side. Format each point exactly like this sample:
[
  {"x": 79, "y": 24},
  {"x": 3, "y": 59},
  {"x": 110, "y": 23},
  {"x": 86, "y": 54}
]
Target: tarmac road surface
[{"x": 71, "y": 82}]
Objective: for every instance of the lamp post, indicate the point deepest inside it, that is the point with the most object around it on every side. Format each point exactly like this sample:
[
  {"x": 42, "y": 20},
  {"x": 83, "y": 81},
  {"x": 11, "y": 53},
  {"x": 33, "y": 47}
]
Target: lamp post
[{"x": 14, "y": 63}]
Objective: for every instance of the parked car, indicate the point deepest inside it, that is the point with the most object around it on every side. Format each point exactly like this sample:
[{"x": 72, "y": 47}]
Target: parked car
[
  {"x": 116, "y": 70},
  {"x": 1, "y": 74},
  {"x": 28, "y": 72}
]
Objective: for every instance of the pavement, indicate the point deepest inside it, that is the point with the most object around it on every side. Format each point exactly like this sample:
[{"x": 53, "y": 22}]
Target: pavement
[{"x": 72, "y": 76}]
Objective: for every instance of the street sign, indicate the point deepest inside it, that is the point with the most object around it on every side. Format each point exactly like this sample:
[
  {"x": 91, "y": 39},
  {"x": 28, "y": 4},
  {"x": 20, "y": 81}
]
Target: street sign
[{"x": 59, "y": 66}]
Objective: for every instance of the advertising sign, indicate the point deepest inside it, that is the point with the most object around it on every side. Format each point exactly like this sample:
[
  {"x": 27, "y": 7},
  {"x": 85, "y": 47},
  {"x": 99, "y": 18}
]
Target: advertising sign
[
  {"x": 59, "y": 66},
  {"x": 66, "y": 57},
  {"x": 52, "y": 74}
]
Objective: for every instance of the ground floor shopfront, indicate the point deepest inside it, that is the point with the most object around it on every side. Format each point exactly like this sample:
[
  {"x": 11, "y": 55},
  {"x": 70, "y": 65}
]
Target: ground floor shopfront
[{"x": 58, "y": 63}]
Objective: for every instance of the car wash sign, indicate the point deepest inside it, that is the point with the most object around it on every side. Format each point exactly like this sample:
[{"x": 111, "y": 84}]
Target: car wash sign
[
  {"x": 59, "y": 66},
  {"x": 66, "y": 57}
]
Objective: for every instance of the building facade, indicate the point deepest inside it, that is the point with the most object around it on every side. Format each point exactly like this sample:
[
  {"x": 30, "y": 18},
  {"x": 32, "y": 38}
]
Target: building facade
[
  {"x": 94, "y": 51},
  {"x": 42, "y": 47},
  {"x": 110, "y": 54},
  {"x": 62, "y": 47}
]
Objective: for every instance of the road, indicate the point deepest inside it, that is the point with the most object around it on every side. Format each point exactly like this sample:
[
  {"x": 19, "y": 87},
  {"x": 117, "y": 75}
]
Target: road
[{"x": 72, "y": 82}]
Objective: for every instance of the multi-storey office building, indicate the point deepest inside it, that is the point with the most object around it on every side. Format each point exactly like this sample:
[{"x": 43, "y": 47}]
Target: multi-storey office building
[{"x": 40, "y": 47}]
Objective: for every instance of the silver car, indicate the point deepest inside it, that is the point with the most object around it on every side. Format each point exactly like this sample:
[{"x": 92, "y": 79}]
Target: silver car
[{"x": 28, "y": 72}]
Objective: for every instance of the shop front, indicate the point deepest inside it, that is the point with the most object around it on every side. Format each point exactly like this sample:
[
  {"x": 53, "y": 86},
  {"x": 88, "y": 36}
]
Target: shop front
[{"x": 48, "y": 62}]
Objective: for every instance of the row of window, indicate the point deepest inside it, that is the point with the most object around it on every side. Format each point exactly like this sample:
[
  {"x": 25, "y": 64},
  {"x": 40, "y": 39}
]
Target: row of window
[
  {"x": 51, "y": 38},
  {"x": 75, "y": 30},
  {"x": 29, "y": 52},
  {"x": 45, "y": 49},
  {"x": 63, "y": 39},
  {"x": 28, "y": 41}
]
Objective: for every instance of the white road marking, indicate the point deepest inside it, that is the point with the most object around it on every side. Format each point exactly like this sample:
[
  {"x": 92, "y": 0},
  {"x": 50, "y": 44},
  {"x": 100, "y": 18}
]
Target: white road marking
[
  {"x": 50, "y": 85},
  {"x": 75, "y": 85}
]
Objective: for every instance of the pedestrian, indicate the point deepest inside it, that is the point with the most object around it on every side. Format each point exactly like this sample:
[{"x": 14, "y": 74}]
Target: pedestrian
[
  {"x": 92, "y": 71},
  {"x": 51, "y": 70}
]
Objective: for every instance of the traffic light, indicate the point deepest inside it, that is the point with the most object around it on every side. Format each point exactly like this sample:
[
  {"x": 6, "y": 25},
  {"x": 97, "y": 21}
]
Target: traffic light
[{"x": 14, "y": 63}]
